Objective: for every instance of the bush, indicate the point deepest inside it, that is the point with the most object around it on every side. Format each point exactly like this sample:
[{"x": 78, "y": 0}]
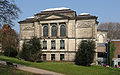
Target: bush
[
  {"x": 85, "y": 53},
  {"x": 10, "y": 52}
]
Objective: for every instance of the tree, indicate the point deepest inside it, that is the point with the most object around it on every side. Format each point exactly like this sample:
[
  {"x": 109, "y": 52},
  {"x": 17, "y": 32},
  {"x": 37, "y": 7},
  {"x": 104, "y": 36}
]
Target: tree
[
  {"x": 9, "y": 41},
  {"x": 85, "y": 53},
  {"x": 112, "y": 28},
  {"x": 25, "y": 53},
  {"x": 8, "y": 11},
  {"x": 31, "y": 50},
  {"x": 111, "y": 52}
]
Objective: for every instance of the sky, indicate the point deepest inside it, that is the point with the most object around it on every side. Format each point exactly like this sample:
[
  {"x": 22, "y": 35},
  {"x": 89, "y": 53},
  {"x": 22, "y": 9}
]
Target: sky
[{"x": 106, "y": 10}]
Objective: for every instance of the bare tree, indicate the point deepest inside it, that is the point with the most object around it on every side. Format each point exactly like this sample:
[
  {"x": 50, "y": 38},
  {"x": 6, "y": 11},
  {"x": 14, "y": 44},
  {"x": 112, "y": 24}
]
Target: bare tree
[
  {"x": 8, "y": 12},
  {"x": 112, "y": 28}
]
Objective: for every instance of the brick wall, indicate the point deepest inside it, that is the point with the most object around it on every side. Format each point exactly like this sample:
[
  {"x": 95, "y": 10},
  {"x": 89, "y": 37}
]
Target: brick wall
[{"x": 117, "y": 50}]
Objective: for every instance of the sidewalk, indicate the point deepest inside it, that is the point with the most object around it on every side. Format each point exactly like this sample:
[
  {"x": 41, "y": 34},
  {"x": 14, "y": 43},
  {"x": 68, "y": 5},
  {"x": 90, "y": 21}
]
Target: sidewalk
[{"x": 33, "y": 70}]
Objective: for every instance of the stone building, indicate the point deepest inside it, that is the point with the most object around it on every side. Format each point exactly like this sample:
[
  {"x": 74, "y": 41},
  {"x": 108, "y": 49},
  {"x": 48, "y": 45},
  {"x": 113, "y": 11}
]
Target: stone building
[
  {"x": 60, "y": 31},
  {"x": 101, "y": 46}
]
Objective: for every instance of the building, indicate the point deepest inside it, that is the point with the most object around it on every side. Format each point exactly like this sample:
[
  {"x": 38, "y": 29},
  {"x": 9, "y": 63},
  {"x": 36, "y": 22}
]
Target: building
[
  {"x": 101, "y": 46},
  {"x": 116, "y": 59},
  {"x": 60, "y": 31}
]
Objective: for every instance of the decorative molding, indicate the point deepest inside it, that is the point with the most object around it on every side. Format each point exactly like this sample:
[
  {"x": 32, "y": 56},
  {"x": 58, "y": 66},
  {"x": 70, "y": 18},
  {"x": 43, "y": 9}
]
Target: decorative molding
[
  {"x": 84, "y": 25},
  {"x": 28, "y": 28}
]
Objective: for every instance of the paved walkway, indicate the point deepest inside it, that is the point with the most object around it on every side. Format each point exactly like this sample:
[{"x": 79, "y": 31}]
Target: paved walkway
[{"x": 33, "y": 70}]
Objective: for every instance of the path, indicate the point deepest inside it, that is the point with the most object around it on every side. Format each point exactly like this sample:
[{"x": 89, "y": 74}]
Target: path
[{"x": 33, "y": 70}]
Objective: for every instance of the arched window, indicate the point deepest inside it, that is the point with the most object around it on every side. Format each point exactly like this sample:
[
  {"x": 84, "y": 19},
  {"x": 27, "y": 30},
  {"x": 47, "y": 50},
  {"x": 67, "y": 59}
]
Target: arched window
[
  {"x": 45, "y": 31},
  {"x": 54, "y": 30},
  {"x": 100, "y": 38},
  {"x": 62, "y": 30}
]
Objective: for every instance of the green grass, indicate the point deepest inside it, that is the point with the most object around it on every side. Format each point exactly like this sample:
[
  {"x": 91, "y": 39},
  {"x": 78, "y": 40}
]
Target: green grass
[
  {"x": 6, "y": 70},
  {"x": 66, "y": 68}
]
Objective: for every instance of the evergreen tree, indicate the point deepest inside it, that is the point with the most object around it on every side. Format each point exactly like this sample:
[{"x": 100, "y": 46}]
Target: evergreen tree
[
  {"x": 85, "y": 53},
  {"x": 31, "y": 50},
  {"x": 25, "y": 53}
]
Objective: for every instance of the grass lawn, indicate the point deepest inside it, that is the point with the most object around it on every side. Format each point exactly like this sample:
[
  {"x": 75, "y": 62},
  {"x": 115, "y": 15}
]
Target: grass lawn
[
  {"x": 5, "y": 70},
  {"x": 66, "y": 68}
]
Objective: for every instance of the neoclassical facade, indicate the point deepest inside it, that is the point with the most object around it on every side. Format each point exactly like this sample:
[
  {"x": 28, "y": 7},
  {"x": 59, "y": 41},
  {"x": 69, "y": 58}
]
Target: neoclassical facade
[{"x": 60, "y": 31}]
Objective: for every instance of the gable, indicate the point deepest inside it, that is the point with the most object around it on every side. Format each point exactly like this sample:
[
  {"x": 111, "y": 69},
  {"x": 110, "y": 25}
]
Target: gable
[{"x": 53, "y": 17}]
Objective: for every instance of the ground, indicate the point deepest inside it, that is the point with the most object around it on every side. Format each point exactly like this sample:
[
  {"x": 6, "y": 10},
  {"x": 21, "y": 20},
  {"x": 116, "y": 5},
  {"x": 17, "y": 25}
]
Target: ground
[
  {"x": 7, "y": 70},
  {"x": 66, "y": 68}
]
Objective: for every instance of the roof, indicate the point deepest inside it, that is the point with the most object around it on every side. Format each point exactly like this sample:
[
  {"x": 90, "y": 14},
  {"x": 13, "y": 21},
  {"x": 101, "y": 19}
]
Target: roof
[
  {"x": 86, "y": 16},
  {"x": 115, "y": 40},
  {"x": 30, "y": 20},
  {"x": 52, "y": 9},
  {"x": 55, "y": 11},
  {"x": 101, "y": 44},
  {"x": 58, "y": 12},
  {"x": 102, "y": 30}
]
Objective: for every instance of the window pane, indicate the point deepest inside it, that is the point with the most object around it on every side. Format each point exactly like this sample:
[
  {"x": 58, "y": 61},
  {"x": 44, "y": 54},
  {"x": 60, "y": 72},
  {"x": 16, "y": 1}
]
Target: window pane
[
  {"x": 44, "y": 56},
  {"x": 62, "y": 30},
  {"x": 52, "y": 56},
  {"x": 53, "y": 44},
  {"x": 62, "y": 44},
  {"x": 118, "y": 56},
  {"x": 54, "y": 30},
  {"x": 45, "y": 31},
  {"x": 44, "y": 44},
  {"x": 61, "y": 56}
]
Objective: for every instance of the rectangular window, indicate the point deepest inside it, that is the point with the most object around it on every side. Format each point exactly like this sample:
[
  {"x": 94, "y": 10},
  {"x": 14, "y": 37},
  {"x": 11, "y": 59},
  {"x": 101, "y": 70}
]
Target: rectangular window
[
  {"x": 52, "y": 56},
  {"x": 44, "y": 44},
  {"x": 62, "y": 44},
  {"x": 53, "y": 44},
  {"x": 61, "y": 56},
  {"x": 100, "y": 54},
  {"x": 119, "y": 63},
  {"x": 119, "y": 56},
  {"x": 44, "y": 56}
]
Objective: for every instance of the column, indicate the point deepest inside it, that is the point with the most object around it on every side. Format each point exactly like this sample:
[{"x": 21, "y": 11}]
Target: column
[
  {"x": 49, "y": 30},
  {"x": 58, "y": 30}
]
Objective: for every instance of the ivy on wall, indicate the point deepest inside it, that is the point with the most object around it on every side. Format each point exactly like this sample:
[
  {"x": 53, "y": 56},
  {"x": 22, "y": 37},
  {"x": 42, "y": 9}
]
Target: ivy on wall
[{"x": 112, "y": 50}]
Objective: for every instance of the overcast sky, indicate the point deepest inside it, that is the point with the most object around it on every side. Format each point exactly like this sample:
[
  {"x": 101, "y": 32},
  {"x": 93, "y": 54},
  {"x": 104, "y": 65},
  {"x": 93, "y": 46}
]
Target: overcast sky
[{"x": 106, "y": 10}]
